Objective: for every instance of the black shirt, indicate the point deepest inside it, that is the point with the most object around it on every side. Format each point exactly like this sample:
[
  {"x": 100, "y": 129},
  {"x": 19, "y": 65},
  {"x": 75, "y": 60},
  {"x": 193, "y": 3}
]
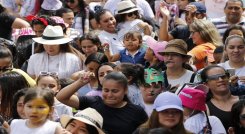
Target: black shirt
[{"x": 123, "y": 120}]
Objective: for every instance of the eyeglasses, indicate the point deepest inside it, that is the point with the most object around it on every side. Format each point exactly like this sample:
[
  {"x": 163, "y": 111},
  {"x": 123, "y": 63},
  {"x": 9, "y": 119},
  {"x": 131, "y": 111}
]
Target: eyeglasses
[
  {"x": 217, "y": 76},
  {"x": 235, "y": 8},
  {"x": 71, "y": 1},
  {"x": 242, "y": 117},
  {"x": 53, "y": 74}
]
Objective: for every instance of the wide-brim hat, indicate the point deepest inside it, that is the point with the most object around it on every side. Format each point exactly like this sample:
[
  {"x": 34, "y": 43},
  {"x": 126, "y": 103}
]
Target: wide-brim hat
[
  {"x": 156, "y": 46},
  {"x": 126, "y": 6},
  {"x": 52, "y": 35},
  {"x": 176, "y": 46},
  {"x": 88, "y": 116}
]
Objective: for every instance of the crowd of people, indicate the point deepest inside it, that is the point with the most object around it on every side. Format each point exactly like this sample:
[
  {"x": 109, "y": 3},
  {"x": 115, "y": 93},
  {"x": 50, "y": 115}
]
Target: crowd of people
[{"x": 122, "y": 67}]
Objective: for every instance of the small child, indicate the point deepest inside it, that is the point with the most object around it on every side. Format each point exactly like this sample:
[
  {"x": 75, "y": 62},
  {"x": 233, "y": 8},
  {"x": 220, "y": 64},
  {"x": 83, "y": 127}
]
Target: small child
[
  {"x": 38, "y": 106},
  {"x": 135, "y": 76},
  {"x": 129, "y": 19},
  {"x": 50, "y": 80},
  {"x": 133, "y": 52}
]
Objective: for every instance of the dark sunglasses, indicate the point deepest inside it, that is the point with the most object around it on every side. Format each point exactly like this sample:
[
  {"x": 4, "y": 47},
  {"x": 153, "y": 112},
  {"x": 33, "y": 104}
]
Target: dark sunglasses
[
  {"x": 53, "y": 74},
  {"x": 71, "y": 1},
  {"x": 242, "y": 117},
  {"x": 217, "y": 76}
]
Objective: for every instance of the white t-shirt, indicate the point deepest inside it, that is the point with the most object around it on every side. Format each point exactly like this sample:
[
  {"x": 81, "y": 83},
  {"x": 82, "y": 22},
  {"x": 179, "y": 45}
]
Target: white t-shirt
[
  {"x": 64, "y": 63},
  {"x": 148, "y": 109},
  {"x": 144, "y": 6},
  {"x": 185, "y": 78},
  {"x": 18, "y": 126},
  {"x": 196, "y": 123},
  {"x": 115, "y": 46},
  {"x": 238, "y": 72}
]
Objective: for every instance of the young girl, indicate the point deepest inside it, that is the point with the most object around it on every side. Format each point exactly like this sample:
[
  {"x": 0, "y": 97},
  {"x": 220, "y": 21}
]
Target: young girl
[
  {"x": 135, "y": 75},
  {"x": 50, "y": 80},
  {"x": 38, "y": 106},
  {"x": 129, "y": 19},
  {"x": 18, "y": 106},
  {"x": 133, "y": 52},
  {"x": 89, "y": 43}
]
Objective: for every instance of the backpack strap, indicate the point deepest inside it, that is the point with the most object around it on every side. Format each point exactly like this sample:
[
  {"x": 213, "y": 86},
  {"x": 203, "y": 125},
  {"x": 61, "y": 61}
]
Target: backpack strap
[
  {"x": 166, "y": 84},
  {"x": 192, "y": 77}
]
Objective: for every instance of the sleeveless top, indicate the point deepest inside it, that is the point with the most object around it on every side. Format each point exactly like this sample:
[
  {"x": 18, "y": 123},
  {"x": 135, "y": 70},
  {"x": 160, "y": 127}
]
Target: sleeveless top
[{"x": 224, "y": 116}]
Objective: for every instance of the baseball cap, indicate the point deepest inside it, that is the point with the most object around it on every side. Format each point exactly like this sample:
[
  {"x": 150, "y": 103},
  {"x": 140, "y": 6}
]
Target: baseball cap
[{"x": 167, "y": 100}]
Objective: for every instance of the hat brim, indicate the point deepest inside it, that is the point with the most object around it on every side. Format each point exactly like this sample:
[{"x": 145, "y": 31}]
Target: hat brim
[
  {"x": 52, "y": 42},
  {"x": 66, "y": 118},
  {"x": 169, "y": 107},
  {"x": 129, "y": 11},
  {"x": 173, "y": 50}
]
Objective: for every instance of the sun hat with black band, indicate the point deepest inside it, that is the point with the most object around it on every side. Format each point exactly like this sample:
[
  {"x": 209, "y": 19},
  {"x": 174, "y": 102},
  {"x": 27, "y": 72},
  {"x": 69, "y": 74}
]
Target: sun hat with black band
[
  {"x": 126, "y": 6},
  {"x": 178, "y": 46},
  {"x": 52, "y": 35},
  {"x": 88, "y": 116}
]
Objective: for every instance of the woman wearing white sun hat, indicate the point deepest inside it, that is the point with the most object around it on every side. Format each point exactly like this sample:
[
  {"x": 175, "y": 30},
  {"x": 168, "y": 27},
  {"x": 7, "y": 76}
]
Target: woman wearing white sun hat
[
  {"x": 54, "y": 54},
  {"x": 87, "y": 121}
]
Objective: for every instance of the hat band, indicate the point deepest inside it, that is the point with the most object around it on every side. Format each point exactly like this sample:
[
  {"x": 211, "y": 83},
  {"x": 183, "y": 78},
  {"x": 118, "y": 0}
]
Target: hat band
[
  {"x": 123, "y": 10},
  {"x": 90, "y": 119},
  {"x": 52, "y": 38}
]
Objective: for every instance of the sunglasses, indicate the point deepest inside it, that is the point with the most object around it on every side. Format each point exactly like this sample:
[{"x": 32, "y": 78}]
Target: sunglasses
[
  {"x": 217, "y": 76},
  {"x": 71, "y": 1},
  {"x": 242, "y": 117},
  {"x": 53, "y": 74}
]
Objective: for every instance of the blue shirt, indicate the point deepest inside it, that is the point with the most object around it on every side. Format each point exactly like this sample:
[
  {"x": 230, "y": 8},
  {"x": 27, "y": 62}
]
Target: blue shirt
[{"x": 137, "y": 58}]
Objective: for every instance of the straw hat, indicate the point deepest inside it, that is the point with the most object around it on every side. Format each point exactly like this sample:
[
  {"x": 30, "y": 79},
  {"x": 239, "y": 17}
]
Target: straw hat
[
  {"x": 52, "y": 35},
  {"x": 176, "y": 46},
  {"x": 126, "y": 6},
  {"x": 88, "y": 116}
]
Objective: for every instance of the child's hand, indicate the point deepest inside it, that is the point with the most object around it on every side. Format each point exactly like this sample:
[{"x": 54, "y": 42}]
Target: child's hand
[
  {"x": 242, "y": 79},
  {"x": 105, "y": 46}
]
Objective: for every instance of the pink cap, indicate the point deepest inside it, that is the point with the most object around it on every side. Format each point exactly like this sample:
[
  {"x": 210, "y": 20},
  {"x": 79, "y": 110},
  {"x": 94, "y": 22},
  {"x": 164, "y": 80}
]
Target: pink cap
[
  {"x": 156, "y": 46},
  {"x": 193, "y": 99}
]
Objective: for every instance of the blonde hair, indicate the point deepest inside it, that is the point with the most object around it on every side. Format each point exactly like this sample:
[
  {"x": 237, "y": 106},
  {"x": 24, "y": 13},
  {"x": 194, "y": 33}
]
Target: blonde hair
[{"x": 207, "y": 31}]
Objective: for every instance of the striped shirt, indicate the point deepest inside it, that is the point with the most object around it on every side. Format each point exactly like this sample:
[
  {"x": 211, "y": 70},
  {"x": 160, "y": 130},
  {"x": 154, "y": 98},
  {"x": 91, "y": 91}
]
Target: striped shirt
[{"x": 221, "y": 24}]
